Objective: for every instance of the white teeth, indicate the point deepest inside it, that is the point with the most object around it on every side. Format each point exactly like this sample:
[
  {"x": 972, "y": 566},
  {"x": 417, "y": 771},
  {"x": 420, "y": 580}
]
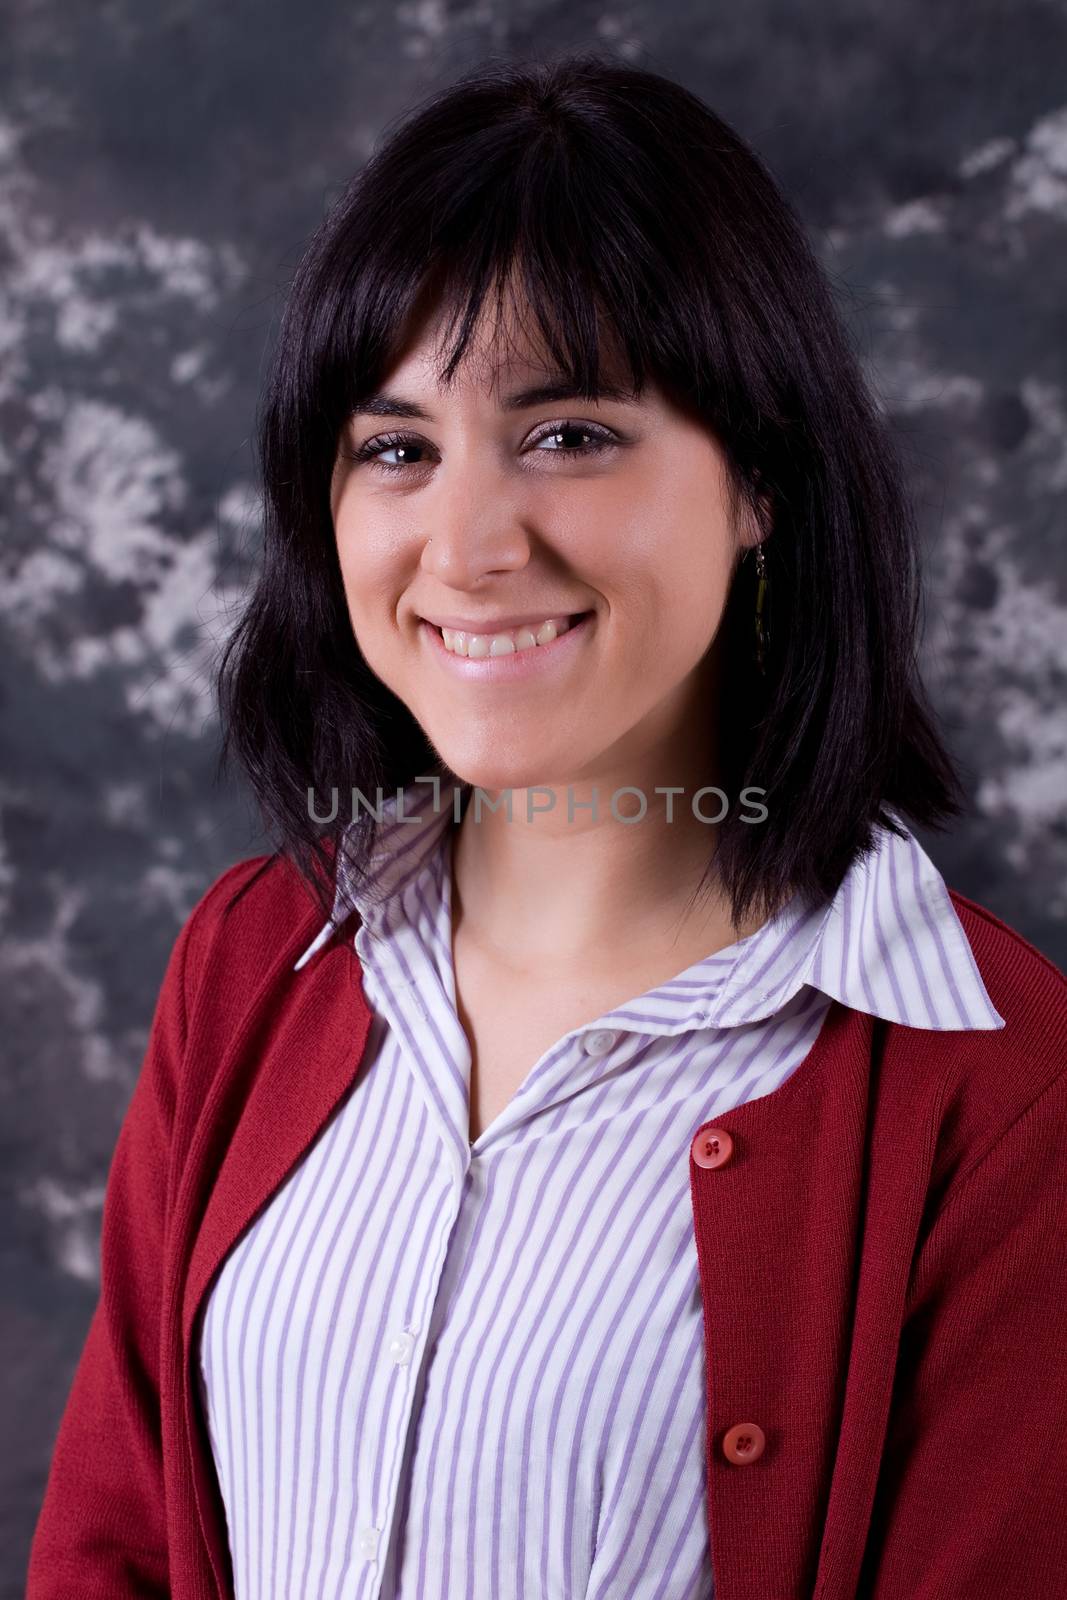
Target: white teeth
[{"x": 479, "y": 645}]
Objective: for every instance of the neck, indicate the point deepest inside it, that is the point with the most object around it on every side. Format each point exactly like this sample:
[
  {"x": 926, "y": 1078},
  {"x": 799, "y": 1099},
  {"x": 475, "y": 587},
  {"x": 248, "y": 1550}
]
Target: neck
[{"x": 549, "y": 891}]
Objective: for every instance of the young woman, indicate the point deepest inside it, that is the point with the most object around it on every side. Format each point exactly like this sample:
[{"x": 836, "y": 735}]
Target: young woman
[{"x": 631, "y": 1171}]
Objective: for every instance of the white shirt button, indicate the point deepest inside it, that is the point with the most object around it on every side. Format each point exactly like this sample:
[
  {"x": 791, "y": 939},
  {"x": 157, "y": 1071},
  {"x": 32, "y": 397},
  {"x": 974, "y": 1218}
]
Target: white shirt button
[
  {"x": 598, "y": 1041},
  {"x": 401, "y": 1346},
  {"x": 368, "y": 1542}
]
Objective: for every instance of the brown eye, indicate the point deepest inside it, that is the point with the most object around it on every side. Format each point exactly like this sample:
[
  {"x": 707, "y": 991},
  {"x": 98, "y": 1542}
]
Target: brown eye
[
  {"x": 406, "y": 447},
  {"x": 599, "y": 439}
]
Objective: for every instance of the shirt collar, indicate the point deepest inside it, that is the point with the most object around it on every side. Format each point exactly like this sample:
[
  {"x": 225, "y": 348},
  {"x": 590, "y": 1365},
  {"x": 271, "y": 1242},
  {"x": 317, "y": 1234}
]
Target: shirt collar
[
  {"x": 888, "y": 943},
  {"x": 407, "y": 835}
]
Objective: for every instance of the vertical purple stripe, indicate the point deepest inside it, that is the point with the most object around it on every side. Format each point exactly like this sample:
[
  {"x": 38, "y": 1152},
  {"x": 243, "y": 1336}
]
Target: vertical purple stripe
[{"x": 323, "y": 1356}]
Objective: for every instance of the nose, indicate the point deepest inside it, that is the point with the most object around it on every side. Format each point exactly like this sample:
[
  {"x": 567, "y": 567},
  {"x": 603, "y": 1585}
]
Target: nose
[{"x": 462, "y": 548}]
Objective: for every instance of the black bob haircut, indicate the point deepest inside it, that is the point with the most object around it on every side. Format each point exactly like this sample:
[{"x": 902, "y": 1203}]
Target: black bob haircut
[{"x": 620, "y": 202}]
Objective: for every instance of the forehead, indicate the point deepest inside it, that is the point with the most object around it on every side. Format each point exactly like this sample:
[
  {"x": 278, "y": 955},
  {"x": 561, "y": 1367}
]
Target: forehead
[{"x": 505, "y": 349}]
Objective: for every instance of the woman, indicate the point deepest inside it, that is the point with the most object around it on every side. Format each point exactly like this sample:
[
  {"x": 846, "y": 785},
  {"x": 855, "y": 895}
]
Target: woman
[{"x": 632, "y": 1171}]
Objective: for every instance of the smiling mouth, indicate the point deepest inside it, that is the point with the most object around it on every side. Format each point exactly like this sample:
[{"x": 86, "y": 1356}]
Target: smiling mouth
[{"x": 506, "y": 641}]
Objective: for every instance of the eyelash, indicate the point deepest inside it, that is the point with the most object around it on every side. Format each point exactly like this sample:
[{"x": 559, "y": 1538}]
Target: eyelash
[{"x": 601, "y": 439}]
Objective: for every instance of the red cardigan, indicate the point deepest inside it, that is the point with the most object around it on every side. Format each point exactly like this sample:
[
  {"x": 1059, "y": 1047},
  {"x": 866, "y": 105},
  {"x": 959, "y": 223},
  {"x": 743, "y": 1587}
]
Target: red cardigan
[{"x": 882, "y": 1248}]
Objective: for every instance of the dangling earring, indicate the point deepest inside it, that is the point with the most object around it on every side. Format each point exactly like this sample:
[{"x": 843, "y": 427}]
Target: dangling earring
[{"x": 763, "y": 635}]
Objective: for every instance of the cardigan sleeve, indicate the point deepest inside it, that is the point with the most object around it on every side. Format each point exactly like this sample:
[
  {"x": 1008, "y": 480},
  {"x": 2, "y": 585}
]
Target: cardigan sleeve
[
  {"x": 101, "y": 1531},
  {"x": 972, "y": 1495}
]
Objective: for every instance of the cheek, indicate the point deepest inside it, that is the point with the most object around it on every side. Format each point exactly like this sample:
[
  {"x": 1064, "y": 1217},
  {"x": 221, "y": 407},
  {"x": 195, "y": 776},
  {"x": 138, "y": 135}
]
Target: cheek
[
  {"x": 673, "y": 590},
  {"x": 367, "y": 574},
  {"x": 354, "y": 584},
  {"x": 679, "y": 623},
  {"x": 698, "y": 578}
]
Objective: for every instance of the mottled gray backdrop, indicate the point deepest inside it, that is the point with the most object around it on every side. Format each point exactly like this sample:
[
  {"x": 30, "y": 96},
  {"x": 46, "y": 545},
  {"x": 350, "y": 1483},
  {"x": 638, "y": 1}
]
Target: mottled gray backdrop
[{"x": 160, "y": 167}]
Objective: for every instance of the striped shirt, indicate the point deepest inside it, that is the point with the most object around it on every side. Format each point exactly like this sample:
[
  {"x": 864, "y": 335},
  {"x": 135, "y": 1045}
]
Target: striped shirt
[{"x": 432, "y": 1368}]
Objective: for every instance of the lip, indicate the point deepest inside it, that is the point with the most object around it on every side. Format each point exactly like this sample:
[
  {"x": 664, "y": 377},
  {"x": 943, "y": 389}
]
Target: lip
[
  {"x": 532, "y": 619},
  {"x": 516, "y": 665}
]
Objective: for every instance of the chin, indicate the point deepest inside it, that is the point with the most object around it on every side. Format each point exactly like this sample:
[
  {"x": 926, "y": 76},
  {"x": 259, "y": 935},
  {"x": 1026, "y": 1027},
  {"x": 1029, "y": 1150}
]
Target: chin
[{"x": 493, "y": 772}]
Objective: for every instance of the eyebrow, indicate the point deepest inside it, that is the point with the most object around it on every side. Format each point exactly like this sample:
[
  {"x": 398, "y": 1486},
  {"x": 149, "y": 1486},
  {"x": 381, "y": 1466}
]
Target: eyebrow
[{"x": 560, "y": 389}]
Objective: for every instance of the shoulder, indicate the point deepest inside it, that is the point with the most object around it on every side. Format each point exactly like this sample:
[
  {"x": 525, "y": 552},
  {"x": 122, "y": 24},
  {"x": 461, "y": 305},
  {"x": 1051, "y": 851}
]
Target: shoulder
[
  {"x": 988, "y": 1079},
  {"x": 233, "y": 953},
  {"x": 249, "y": 919},
  {"x": 1025, "y": 986}
]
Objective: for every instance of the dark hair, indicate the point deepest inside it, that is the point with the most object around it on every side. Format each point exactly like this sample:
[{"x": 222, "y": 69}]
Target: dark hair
[{"x": 626, "y": 205}]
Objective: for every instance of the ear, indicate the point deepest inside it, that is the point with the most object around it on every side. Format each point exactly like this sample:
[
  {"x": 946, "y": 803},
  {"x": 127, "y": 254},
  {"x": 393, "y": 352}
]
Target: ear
[
  {"x": 759, "y": 524},
  {"x": 766, "y": 507},
  {"x": 766, "y": 511}
]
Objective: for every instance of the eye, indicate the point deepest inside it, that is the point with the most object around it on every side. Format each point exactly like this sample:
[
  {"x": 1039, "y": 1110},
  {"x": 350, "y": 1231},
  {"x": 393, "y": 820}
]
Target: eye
[
  {"x": 375, "y": 448},
  {"x": 407, "y": 445},
  {"x": 600, "y": 439}
]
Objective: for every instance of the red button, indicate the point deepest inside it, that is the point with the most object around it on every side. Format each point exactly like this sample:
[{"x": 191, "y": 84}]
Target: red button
[
  {"x": 712, "y": 1147},
  {"x": 743, "y": 1443}
]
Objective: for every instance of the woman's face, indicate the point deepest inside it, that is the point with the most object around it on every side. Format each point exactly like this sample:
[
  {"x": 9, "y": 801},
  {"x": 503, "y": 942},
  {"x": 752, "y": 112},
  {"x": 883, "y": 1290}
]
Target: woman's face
[{"x": 472, "y": 511}]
